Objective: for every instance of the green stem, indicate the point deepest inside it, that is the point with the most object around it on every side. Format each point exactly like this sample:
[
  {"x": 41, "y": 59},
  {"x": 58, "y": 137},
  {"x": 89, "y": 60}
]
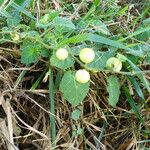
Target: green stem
[
  {"x": 52, "y": 108},
  {"x": 20, "y": 77}
]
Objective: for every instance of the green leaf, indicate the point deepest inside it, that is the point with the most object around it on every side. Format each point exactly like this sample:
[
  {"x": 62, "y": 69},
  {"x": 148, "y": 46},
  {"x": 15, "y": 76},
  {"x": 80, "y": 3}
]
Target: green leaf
[
  {"x": 4, "y": 13},
  {"x": 30, "y": 55},
  {"x": 73, "y": 91},
  {"x": 136, "y": 86},
  {"x": 146, "y": 21},
  {"x": 140, "y": 75},
  {"x": 99, "y": 26},
  {"x": 75, "y": 115},
  {"x": 147, "y": 58},
  {"x": 64, "y": 22},
  {"x": 14, "y": 20},
  {"x": 107, "y": 41},
  {"x": 46, "y": 20},
  {"x": 132, "y": 104},
  {"x": 121, "y": 57},
  {"x": 113, "y": 89},
  {"x": 79, "y": 131},
  {"x": 1, "y": 2},
  {"x": 74, "y": 39},
  {"x": 76, "y": 49},
  {"x": 138, "y": 32},
  {"x": 45, "y": 52},
  {"x": 30, "y": 51},
  {"x": 94, "y": 38},
  {"x": 100, "y": 60},
  {"x": 21, "y": 9},
  {"x": 62, "y": 64},
  {"x": 31, "y": 34},
  {"x": 140, "y": 50}
]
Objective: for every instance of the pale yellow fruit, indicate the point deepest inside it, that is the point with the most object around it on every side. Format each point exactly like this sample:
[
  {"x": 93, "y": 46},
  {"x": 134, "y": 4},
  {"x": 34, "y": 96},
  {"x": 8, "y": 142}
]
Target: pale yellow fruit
[
  {"x": 82, "y": 76},
  {"x": 114, "y": 64},
  {"x": 87, "y": 55},
  {"x": 15, "y": 36},
  {"x": 62, "y": 54}
]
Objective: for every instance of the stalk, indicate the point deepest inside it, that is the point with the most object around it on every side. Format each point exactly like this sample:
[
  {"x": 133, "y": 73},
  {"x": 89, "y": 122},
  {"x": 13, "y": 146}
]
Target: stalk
[{"x": 52, "y": 108}]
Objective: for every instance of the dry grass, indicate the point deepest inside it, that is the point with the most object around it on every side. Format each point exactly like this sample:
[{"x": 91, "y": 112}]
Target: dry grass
[{"x": 25, "y": 116}]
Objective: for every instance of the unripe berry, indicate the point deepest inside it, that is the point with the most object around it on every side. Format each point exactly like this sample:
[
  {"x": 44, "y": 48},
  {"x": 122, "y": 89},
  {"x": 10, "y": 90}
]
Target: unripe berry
[
  {"x": 82, "y": 76},
  {"x": 62, "y": 54},
  {"x": 114, "y": 64},
  {"x": 15, "y": 36},
  {"x": 87, "y": 55}
]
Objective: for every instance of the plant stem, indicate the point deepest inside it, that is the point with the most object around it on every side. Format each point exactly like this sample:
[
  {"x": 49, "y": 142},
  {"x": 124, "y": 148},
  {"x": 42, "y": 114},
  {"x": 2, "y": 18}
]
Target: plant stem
[
  {"x": 20, "y": 76},
  {"x": 52, "y": 108}
]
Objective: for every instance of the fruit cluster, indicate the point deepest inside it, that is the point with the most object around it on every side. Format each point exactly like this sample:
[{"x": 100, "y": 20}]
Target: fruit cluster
[{"x": 87, "y": 55}]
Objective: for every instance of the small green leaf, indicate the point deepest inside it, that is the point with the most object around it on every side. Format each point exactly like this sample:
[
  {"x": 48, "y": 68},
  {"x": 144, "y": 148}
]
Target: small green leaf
[
  {"x": 31, "y": 51},
  {"x": 75, "y": 115},
  {"x": 29, "y": 56},
  {"x": 79, "y": 131},
  {"x": 113, "y": 89},
  {"x": 62, "y": 64},
  {"x": 73, "y": 91}
]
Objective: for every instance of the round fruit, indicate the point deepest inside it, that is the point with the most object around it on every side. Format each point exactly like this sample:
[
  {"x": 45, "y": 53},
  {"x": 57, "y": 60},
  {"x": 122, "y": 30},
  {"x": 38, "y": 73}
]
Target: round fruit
[
  {"x": 82, "y": 76},
  {"x": 62, "y": 54},
  {"x": 87, "y": 55},
  {"x": 114, "y": 64},
  {"x": 15, "y": 36}
]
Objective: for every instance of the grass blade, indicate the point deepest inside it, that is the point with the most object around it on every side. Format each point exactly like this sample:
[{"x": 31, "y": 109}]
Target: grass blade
[
  {"x": 132, "y": 104},
  {"x": 136, "y": 86}
]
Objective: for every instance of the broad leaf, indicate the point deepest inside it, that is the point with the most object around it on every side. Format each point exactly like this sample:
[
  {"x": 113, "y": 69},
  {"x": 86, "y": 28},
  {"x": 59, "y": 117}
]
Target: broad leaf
[
  {"x": 73, "y": 91},
  {"x": 62, "y": 64},
  {"x": 113, "y": 89}
]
